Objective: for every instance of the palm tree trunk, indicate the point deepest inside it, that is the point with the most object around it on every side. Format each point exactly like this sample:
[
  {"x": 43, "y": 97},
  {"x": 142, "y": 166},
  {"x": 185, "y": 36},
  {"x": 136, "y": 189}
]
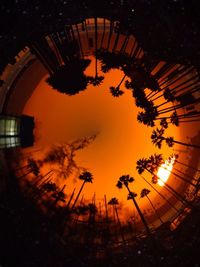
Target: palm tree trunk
[
  {"x": 19, "y": 177},
  {"x": 172, "y": 82},
  {"x": 86, "y": 29},
  {"x": 195, "y": 89},
  {"x": 155, "y": 210},
  {"x": 21, "y": 168},
  {"x": 180, "y": 177},
  {"x": 139, "y": 53},
  {"x": 118, "y": 86},
  {"x": 77, "y": 197},
  {"x": 79, "y": 41},
  {"x": 182, "y": 116},
  {"x": 189, "y": 121},
  {"x": 72, "y": 33},
  {"x": 123, "y": 47},
  {"x": 37, "y": 196},
  {"x": 178, "y": 196},
  {"x": 104, "y": 27},
  {"x": 70, "y": 199},
  {"x": 38, "y": 180},
  {"x": 106, "y": 208},
  {"x": 160, "y": 194},
  {"x": 133, "y": 47},
  {"x": 187, "y": 166},
  {"x": 166, "y": 69},
  {"x": 183, "y": 72},
  {"x": 100, "y": 212},
  {"x": 57, "y": 198},
  {"x": 172, "y": 191},
  {"x": 113, "y": 212},
  {"x": 185, "y": 144},
  {"x": 178, "y": 106},
  {"x": 163, "y": 70},
  {"x": 119, "y": 223},
  {"x": 46, "y": 180},
  {"x": 135, "y": 51},
  {"x": 96, "y": 40},
  {"x": 41, "y": 178},
  {"x": 76, "y": 220},
  {"x": 116, "y": 41},
  {"x": 110, "y": 34},
  {"x": 173, "y": 89},
  {"x": 139, "y": 212},
  {"x": 164, "y": 103},
  {"x": 190, "y": 88},
  {"x": 172, "y": 75},
  {"x": 94, "y": 213},
  {"x": 190, "y": 177}
]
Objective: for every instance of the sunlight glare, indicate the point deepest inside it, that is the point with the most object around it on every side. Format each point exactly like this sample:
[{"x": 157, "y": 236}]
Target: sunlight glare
[{"x": 164, "y": 171}]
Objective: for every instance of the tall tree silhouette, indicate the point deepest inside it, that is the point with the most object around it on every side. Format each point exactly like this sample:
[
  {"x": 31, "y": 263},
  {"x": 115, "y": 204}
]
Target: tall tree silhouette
[
  {"x": 114, "y": 202},
  {"x": 158, "y": 138},
  {"x": 31, "y": 167},
  {"x": 151, "y": 165},
  {"x": 175, "y": 156},
  {"x": 97, "y": 80},
  {"x": 144, "y": 193},
  {"x": 111, "y": 60},
  {"x": 160, "y": 194},
  {"x": 58, "y": 195},
  {"x": 115, "y": 91},
  {"x": 124, "y": 181},
  {"x": 86, "y": 177}
]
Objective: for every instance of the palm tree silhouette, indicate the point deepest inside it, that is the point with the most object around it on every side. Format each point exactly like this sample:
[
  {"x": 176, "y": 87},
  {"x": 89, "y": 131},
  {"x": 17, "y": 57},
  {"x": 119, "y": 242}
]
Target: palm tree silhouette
[
  {"x": 117, "y": 31},
  {"x": 124, "y": 181},
  {"x": 114, "y": 202},
  {"x": 172, "y": 78},
  {"x": 174, "y": 118},
  {"x": 49, "y": 187},
  {"x": 151, "y": 165},
  {"x": 111, "y": 60},
  {"x": 115, "y": 91},
  {"x": 92, "y": 212},
  {"x": 164, "y": 123},
  {"x": 110, "y": 33},
  {"x": 175, "y": 156},
  {"x": 87, "y": 178},
  {"x": 158, "y": 138},
  {"x": 32, "y": 167},
  {"x": 160, "y": 194},
  {"x": 146, "y": 119},
  {"x": 144, "y": 193},
  {"x": 58, "y": 195},
  {"x": 97, "y": 80}
]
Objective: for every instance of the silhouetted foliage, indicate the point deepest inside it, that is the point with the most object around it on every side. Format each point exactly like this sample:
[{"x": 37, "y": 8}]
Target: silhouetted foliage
[
  {"x": 70, "y": 79},
  {"x": 115, "y": 91},
  {"x": 96, "y": 81},
  {"x": 158, "y": 138},
  {"x": 110, "y": 60}
]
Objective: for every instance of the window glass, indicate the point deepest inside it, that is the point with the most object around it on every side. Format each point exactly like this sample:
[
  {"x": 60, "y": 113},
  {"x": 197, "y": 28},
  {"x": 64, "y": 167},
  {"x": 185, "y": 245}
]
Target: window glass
[
  {"x": 6, "y": 142},
  {"x": 9, "y": 127}
]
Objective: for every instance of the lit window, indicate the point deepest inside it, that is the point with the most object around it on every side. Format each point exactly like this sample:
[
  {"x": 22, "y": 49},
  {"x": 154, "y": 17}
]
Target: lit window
[{"x": 9, "y": 131}]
